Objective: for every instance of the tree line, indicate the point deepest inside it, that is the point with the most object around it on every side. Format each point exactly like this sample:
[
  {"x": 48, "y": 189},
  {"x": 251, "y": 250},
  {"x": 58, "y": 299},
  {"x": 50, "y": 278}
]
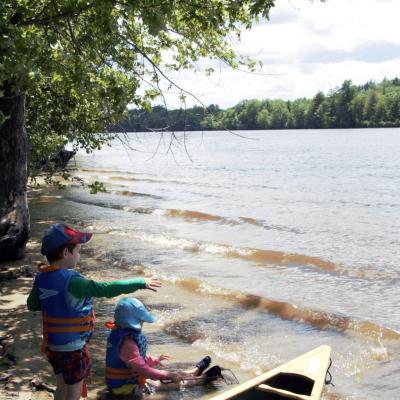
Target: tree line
[{"x": 372, "y": 105}]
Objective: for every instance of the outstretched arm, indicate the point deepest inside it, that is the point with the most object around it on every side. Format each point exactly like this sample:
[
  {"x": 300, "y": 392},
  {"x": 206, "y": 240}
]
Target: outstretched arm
[{"x": 81, "y": 287}]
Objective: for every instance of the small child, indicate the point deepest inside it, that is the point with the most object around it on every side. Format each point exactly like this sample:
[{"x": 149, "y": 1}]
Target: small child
[
  {"x": 65, "y": 298},
  {"x": 128, "y": 367}
]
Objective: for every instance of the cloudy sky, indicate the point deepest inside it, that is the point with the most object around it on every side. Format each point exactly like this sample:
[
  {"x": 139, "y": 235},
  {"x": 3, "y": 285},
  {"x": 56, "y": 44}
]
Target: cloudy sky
[{"x": 305, "y": 47}]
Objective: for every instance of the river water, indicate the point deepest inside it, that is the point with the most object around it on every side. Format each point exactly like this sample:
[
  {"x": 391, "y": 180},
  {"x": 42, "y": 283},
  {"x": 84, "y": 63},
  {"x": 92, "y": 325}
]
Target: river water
[{"x": 272, "y": 243}]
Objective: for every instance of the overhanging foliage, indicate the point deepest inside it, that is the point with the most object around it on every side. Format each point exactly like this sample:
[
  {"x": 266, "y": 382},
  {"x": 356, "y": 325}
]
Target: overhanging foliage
[{"x": 81, "y": 62}]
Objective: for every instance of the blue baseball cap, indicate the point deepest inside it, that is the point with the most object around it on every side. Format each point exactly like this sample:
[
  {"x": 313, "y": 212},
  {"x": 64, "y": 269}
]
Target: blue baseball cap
[
  {"x": 130, "y": 311},
  {"x": 59, "y": 235}
]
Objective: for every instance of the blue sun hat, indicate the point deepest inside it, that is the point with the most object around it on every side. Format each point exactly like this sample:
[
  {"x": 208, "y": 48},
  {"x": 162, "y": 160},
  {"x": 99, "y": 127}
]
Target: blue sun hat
[{"x": 130, "y": 311}]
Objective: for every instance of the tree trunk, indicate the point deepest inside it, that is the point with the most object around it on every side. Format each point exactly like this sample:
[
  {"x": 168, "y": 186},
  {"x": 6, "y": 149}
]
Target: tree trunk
[{"x": 14, "y": 213}]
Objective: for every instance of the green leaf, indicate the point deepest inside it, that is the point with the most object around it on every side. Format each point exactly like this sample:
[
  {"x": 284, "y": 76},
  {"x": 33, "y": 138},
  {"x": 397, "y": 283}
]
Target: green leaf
[{"x": 97, "y": 187}]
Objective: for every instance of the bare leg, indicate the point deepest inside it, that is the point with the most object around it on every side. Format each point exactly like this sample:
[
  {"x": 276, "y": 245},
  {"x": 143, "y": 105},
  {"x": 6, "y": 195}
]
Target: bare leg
[
  {"x": 61, "y": 391},
  {"x": 193, "y": 382},
  {"x": 159, "y": 386},
  {"x": 74, "y": 392},
  {"x": 193, "y": 375},
  {"x": 192, "y": 372}
]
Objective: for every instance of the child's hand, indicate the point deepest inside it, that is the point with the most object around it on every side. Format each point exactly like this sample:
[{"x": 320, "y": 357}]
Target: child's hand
[
  {"x": 152, "y": 284},
  {"x": 163, "y": 357},
  {"x": 176, "y": 377}
]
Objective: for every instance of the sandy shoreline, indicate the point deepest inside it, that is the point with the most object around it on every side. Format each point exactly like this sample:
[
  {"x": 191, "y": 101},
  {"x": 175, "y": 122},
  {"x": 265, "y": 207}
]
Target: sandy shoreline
[{"x": 20, "y": 331}]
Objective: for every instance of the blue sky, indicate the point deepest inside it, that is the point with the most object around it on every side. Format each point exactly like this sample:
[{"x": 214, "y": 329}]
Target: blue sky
[{"x": 305, "y": 46}]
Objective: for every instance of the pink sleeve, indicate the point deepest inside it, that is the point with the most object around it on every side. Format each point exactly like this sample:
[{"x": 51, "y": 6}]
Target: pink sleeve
[{"x": 129, "y": 354}]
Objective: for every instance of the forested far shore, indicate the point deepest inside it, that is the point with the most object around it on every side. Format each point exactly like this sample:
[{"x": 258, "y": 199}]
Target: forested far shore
[{"x": 372, "y": 105}]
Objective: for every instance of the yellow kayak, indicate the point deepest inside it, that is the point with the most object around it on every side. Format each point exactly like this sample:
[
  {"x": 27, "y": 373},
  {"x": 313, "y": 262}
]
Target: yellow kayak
[{"x": 302, "y": 378}]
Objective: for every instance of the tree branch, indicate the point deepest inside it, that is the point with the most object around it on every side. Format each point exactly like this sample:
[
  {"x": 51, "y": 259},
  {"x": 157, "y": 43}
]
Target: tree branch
[
  {"x": 69, "y": 14},
  {"x": 157, "y": 68}
]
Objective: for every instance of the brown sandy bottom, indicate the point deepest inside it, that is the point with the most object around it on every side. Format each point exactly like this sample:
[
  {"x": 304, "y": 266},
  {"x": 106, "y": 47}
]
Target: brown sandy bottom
[{"x": 24, "y": 371}]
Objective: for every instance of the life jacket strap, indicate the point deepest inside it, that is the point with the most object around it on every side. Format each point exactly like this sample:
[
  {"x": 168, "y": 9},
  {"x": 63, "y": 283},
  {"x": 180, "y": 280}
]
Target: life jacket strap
[
  {"x": 119, "y": 373},
  {"x": 142, "y": 381},
  {"x": 111, "y": 325},
  {"x": 43, "y": 348},
  {"x": 67, "y": 325},
  {"x": 69, "y": 329},
  {"x": 73, "y": 325},
  {"x": 84, "y": 389},
  {"x": 69, "y": 321},
  {"x": 47, "y": 268}
]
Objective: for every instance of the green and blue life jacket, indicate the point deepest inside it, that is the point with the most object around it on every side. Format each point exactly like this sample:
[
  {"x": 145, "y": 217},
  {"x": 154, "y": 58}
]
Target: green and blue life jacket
[
  {"x": 117, "y": 372},
  {"x": 68, "y": 322}
]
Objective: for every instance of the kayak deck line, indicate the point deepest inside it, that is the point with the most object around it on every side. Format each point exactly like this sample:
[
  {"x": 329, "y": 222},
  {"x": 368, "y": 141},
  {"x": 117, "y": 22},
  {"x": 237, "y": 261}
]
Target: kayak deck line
[{"x": 302, "y": 378}]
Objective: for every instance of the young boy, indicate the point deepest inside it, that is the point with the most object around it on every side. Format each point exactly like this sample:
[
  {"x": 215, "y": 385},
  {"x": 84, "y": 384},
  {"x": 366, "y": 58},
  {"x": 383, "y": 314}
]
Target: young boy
[
  {"x": 65, "y": 298},
  {"x": 129, "y": 369}
]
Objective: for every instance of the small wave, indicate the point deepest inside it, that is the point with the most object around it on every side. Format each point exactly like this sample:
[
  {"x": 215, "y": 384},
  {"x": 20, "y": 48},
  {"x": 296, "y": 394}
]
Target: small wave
[
  {"x": 150, "y": 180},
  {"x": 121, "y": 178},
  {"x": 128, "y": 193},
  {"x": 267, "y": 257},
  {"x": 107, "y": 171},
  {"x": 103, "y": 170},
  {"x": 139, "y": 210},
  {"x": 281, "y": 258},
  {"x": 193, "y": 215},
  {"x": 190, "y": 215},
  {"x": 252, "y": 221},
  {"x": 127, "y": 176},
  {"x": 265, "y": 225},
  {"x": 287, "y": 311}
]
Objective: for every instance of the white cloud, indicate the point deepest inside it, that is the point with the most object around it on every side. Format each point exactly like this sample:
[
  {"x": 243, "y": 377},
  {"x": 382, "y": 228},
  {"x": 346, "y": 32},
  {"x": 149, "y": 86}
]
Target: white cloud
[{"x": 307, "y": 46}]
